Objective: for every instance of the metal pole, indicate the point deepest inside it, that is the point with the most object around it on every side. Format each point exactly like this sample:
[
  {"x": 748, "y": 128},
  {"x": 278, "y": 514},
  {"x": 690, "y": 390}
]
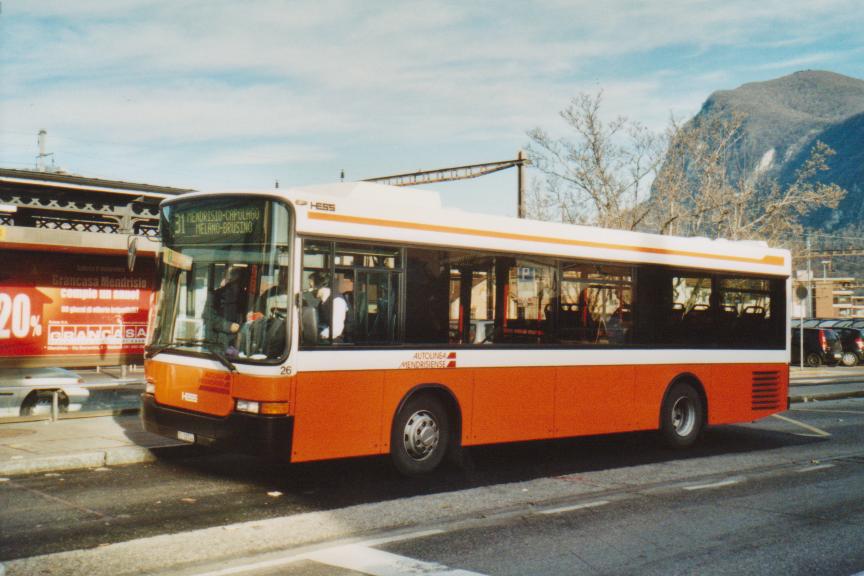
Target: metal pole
[
  {"x": 801, "y": 334},
  {"x": 520, "y": 157},
  {"x": 809, "y": 280}
]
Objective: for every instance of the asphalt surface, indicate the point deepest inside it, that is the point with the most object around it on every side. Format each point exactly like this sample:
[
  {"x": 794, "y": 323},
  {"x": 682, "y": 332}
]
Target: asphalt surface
[
  {"x": 803, "y": 522},
  {"x": 87, "y": 510}
]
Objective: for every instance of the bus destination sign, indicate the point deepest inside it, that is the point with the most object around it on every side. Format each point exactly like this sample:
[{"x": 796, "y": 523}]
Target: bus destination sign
[{"x": 223, "y": 222}]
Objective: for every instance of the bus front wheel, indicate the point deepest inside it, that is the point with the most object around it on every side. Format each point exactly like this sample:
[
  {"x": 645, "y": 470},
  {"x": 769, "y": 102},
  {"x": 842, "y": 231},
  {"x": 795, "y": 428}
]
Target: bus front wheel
[
  {"x": 682, "y": 415},
  {"x": 420, "y": 435}
]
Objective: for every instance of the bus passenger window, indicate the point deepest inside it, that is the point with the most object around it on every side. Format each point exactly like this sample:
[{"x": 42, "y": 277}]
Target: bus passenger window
[
  {"x": 472, "y": 298},
  {"x": 748, "y": 317},
  {"x": 527, "y": 299},
  {"x": 691, "y": 318},
  {"x": 427, "y": 297},
  {"x": 318, "y": 302},
  {"x": 595, "y": 304},
  {"x": 350, "y": 294}
]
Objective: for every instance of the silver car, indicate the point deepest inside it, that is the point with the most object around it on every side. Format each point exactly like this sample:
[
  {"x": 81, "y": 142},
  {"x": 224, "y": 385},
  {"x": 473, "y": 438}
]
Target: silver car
[{"x": 30, "y": 391}]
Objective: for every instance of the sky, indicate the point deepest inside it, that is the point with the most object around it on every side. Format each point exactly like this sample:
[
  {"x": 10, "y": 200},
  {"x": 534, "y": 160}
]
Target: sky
[{"x": 237, "y": 95}]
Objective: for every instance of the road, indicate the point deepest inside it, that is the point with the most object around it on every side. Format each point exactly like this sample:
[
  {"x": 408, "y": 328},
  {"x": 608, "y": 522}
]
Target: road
[{"x": 780, "y": 496}]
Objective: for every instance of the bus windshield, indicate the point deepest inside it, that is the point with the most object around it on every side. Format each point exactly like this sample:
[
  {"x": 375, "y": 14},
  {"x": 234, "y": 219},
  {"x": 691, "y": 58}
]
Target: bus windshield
[{"x": 223, "y": 279}]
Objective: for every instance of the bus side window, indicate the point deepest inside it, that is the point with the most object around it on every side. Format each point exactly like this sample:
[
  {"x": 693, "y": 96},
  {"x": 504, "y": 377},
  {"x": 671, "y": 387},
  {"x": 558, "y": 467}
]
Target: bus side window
[{"x": 315, "y": 291}]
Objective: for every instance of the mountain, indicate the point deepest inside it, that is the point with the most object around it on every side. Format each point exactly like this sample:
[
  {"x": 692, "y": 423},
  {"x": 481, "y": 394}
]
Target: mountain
[{"x": 783, "y": 119}]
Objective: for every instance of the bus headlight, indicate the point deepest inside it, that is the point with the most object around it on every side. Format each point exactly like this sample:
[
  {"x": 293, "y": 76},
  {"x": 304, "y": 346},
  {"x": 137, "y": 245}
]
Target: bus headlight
[
  {"x": 249, "y": 406},
  {"x": 150, "y": 386}
]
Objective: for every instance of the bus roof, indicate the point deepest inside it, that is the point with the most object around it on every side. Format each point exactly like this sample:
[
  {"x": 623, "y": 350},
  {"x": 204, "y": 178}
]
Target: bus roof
[{"x": 364, "y": 211}]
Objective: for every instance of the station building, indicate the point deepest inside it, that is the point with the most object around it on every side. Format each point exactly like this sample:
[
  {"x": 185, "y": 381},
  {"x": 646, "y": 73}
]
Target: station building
[{"x": 67, "y": 296}]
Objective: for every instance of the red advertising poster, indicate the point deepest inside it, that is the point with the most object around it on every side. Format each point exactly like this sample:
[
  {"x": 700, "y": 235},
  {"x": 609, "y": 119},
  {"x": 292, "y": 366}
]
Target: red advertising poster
[{"x": 54, "y": 304}]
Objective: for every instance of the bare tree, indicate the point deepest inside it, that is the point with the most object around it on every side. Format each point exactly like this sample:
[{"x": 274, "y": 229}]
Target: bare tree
[
  {"x": 692, "y": 187},
  {"x": 601, "y": 175},
  {"x": 620, "y": 175},
  {"x": 694, "y": 193}
]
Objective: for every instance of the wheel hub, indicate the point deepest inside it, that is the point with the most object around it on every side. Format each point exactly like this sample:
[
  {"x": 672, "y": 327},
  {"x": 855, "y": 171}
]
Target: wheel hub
[
  {"x": 421, "y": 435},
  {"x": 683, "y": 416}
]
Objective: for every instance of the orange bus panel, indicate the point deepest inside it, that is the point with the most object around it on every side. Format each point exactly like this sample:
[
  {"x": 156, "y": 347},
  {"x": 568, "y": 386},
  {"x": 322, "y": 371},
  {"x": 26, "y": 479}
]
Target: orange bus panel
[
  {"x": 264, "y": 388},
  {"x": 337, "y": 414},
  {"x": 192, "y": 388},
  {"x": 594, "y": 400},
  {"x": 512, "y": 404}
]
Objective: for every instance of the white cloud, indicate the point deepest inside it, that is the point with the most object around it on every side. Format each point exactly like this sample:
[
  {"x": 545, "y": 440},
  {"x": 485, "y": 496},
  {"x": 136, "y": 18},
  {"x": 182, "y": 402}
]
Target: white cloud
[{"x": 801, "y": 61}]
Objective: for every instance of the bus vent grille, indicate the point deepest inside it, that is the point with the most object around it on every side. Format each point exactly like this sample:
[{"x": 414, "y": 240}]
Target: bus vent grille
[{"x": 766, "y": 391}]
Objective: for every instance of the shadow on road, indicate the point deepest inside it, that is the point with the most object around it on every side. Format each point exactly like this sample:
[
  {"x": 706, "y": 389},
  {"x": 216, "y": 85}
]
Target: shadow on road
[{"x": 338, "y": 483}]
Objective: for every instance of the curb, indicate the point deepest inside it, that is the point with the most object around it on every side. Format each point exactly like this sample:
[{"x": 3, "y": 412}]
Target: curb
[
  {"x": 825, "y": 380},
  {"x": 801, "y": 398},
  {"x": 83, "y": 460}
]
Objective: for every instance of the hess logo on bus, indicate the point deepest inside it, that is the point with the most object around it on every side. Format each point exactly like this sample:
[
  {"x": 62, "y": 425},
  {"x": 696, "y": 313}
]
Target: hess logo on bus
[{"x": 324, "y": 206}]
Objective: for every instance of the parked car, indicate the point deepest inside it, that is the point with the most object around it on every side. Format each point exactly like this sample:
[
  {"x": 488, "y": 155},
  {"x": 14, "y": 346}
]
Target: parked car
[
  {"x": 30, "y": 391},
  {"x": 852, "y": 323},
  {"x": 852, "y": 340},
  {"x": 821, "y": 347}
]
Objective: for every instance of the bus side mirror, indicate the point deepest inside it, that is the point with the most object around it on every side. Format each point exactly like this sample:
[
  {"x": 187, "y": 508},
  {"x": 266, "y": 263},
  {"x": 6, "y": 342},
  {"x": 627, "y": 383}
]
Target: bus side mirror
[{"x": 131, "y": 251}]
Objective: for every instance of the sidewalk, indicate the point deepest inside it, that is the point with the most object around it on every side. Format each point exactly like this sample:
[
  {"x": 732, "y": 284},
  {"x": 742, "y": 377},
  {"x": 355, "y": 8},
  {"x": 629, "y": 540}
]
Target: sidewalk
[
  {"x": 828, "y": 383},
  {"x": 825, "y": 375},
  {"x": 44, "y": 446},
  {"x": 39, "y": 447}
]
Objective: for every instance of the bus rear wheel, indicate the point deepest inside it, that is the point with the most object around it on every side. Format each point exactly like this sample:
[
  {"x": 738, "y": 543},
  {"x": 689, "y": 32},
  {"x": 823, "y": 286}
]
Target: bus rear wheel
[
  {"x": 420, "y": 435},
  {"x": 682, "y": 416}
]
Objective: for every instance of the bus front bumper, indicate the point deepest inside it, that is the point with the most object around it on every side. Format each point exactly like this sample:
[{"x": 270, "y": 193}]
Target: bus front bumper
[{"x": 238, "y": 432}]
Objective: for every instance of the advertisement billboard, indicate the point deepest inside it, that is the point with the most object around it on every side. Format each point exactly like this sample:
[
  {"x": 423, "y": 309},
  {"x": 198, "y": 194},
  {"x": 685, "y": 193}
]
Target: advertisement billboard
[{"x": 64, "y": 306}]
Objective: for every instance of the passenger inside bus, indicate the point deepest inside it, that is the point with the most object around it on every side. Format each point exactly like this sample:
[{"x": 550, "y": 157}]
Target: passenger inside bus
[
  {"x": 324, "y": 311},
  {"x": 225, "y": 310},
  {"x": 264, "y": 333}
]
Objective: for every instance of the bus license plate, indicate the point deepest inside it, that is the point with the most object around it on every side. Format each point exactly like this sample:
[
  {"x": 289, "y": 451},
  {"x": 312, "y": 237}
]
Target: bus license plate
[{"x": 186, "y": 436}]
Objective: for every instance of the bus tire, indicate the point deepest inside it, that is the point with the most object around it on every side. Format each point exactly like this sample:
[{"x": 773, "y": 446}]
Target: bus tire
[
  {"x": 420, "y": 435},
  {"x": 682, "y": 415}
]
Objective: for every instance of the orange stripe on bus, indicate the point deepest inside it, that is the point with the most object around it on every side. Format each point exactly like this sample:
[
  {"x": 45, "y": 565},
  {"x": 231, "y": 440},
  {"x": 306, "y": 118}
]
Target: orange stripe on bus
[{"x": 767, "y": 260}]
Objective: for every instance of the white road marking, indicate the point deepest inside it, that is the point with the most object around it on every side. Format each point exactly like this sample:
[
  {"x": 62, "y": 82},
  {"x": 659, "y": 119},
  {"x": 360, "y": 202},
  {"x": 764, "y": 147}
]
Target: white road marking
[
  {"x": 719, "y": 484},
  {"x": 815, "y": 467},
  {"x": 296, "y": 557},
  {"x": 825, "y": 411},
  {"x": 574, "y": 507},
  {"x": 817, "y": 431},
  {"x": 379, "y": 563}
]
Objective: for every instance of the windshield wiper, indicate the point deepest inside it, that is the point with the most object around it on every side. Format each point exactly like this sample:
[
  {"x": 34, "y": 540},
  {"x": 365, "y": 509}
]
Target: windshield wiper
[
  {"x": 210, "y": 345},
  {"x": 152, "y": 351},
  {"x": 221, "y": 357}
]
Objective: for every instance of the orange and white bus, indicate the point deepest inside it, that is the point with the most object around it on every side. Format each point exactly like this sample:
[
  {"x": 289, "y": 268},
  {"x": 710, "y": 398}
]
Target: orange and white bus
[{"x": 358, "y": 319}]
